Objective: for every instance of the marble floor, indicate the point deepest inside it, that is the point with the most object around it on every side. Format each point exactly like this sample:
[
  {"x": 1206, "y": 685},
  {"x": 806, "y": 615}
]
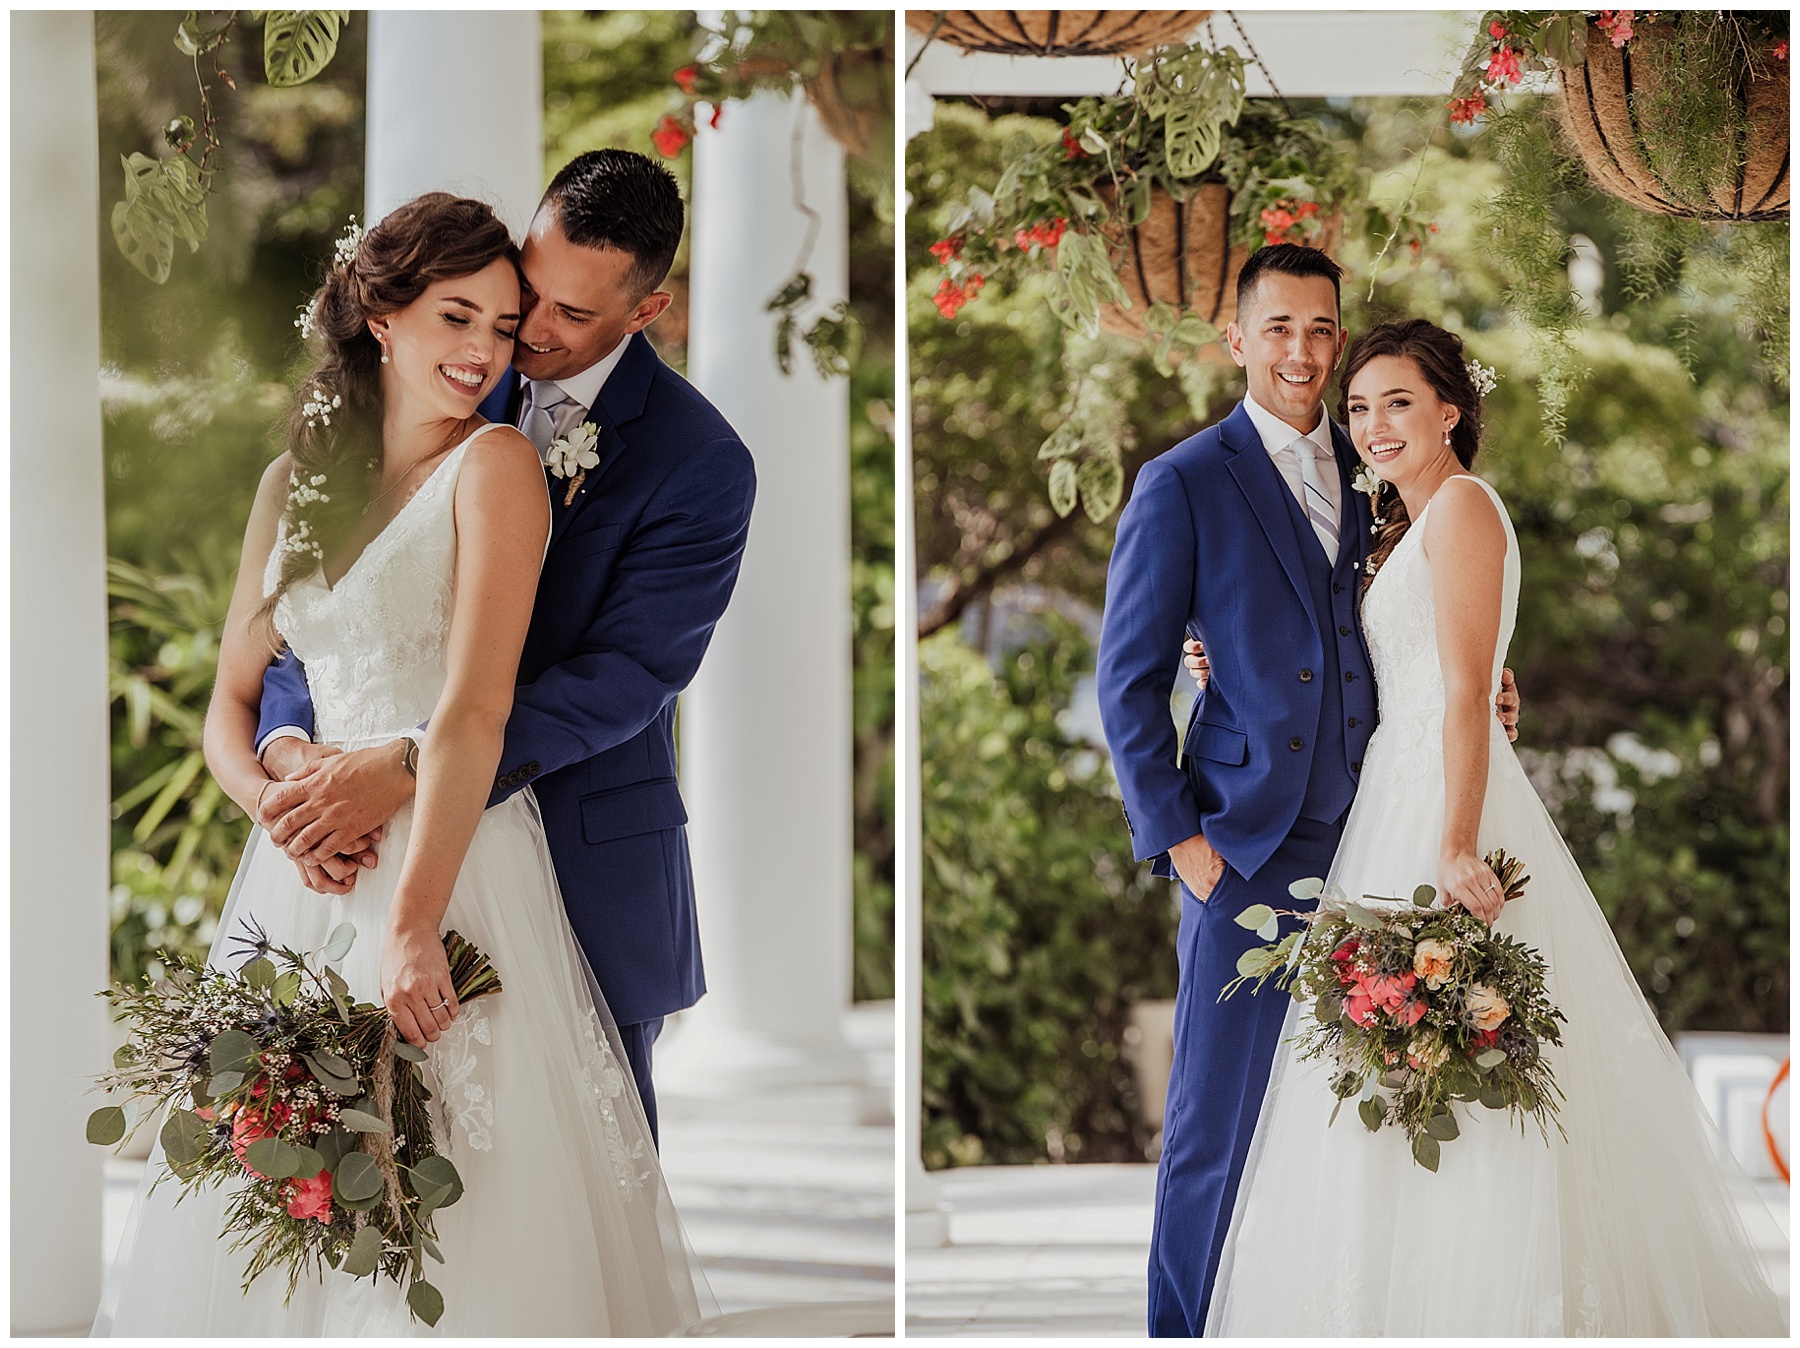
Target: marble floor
[
  {"x": 787, "y": 1200},
  {"x": 1053, "y": 1251}
]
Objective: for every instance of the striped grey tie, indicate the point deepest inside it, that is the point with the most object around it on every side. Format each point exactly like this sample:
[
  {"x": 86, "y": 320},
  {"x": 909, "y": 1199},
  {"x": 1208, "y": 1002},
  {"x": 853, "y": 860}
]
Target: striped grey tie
[{"x": 1318, "y": 501}]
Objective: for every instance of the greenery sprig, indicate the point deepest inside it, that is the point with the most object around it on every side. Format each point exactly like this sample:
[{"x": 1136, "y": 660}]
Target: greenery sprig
[{"x": 165, "y": 199}]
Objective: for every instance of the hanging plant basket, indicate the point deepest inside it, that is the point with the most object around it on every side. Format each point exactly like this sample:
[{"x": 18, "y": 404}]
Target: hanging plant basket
[
  {"x": 1183, "y": 255},
  {"x": 853, "y": 92},
  {"x": 1610, "y": 108},
  {"x": 1058, "y": 32}
]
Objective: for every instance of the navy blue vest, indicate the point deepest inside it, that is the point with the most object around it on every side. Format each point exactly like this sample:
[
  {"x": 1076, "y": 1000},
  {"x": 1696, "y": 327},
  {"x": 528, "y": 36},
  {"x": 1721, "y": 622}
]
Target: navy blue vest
[{"x": 1347, "y": 698}]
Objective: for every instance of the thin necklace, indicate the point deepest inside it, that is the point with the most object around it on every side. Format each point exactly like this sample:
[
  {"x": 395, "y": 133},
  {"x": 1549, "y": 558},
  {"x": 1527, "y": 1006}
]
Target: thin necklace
[{"x": 385, "y": 492}]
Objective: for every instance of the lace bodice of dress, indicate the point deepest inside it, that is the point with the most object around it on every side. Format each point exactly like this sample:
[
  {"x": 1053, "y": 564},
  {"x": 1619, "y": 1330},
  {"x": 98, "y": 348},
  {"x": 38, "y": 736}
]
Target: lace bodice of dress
[
  {"x": 374, "y": 644},
  {"x": 1399, "y": 617}
]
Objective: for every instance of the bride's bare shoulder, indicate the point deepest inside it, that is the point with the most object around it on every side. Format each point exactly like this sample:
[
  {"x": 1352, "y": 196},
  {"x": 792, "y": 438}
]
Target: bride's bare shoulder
[
  {"x": 1464, "y": 515},
  {"x": 502, "y": 474}
]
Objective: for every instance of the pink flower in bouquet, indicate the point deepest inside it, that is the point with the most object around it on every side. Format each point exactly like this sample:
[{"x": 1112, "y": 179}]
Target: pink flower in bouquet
[
  {"x": 1390, "y": 991},
  {"x": 1360, "y": 1005},
  {"x": 310, "y": 1197},
  {"x": 1411, "y": 1014},
  {"x": 1431, "y": 961},
  {"x": 1425, "y": 1055},
  {"x": 1487, "y": 1008},
  {"x": 249, "y": 1126}
]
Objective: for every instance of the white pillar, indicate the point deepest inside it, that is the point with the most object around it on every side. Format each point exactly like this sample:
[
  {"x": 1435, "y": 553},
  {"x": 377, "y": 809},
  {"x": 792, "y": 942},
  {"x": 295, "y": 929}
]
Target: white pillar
[
  {"x": 59, "y": 718},
  {"x": 765, "y": 728},
  {"x": 456, "y": 104}
]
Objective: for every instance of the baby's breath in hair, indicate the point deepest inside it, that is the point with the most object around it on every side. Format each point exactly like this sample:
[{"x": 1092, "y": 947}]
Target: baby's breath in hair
[
  {"x": 348, "y": 243},
  {"x": 1483, "y": 377},
  {"x": 318, "y": 408}
]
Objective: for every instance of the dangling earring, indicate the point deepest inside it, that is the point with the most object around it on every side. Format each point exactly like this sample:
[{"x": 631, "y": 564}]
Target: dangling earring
[{"x": 384, "y": 361}]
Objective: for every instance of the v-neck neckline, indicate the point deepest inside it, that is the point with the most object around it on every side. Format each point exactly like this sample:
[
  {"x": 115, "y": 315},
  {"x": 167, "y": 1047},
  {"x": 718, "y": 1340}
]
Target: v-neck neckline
[{"x": 332, "y": 587}]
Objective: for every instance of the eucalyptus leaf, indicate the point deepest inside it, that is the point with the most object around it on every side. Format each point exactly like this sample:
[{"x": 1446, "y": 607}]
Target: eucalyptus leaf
[
  {"x": 124, "y": 1055},
  {"x": 311, "y": 1163},
  {"x": 182, "y": 1135},
  {"x": 438, "y": 1172},
  {"x": 404, "y": 1050},
  {"x": 287, "y": 989},
  {"x": 359, "y": 1122},
  {"x": 1443, "y": 1127},
  {"x": 272, "y": 1157},
  {"x": 1425, "y": 1151},
  {"x": 364, "y": 1255},
  {"x": 1373, "y": 1112},
  {"x": 426, "y": 1301},
  {"x": 1362, "y": 917},
  {"x": 1270, "y": 929},
  {"x": 106, "y": 1125},
  {"x": 1252, "y": 962},
  {"x": 427, "y": 1244},
  {"x": 334, "y": 1146},
  {"x": 1488, "y": 1059},
  {"x": 338, "y": 944},
  {"x": 1423, "y": 895},
  {"x": 330, "y": 1062},
  {"x": 1309, "y": 888},
  {"x": 232, "y": 1051},
  {"x": 1254, "y": 916},
  {"x": 357, "y": 1177},
  {"x": 259, "y": 973},
  {"x": 224, "y": 1083},
  {"x": 1493, "y": 1097},
  {"x": 299, "y": 43}
]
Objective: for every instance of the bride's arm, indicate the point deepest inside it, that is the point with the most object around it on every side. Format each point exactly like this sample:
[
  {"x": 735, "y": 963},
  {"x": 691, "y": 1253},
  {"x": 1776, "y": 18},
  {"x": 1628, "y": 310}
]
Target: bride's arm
[
  {"x": 502, "y": 520},
  {"x": 1466, "y": 546},
  {"x": 245, "y": 649}
]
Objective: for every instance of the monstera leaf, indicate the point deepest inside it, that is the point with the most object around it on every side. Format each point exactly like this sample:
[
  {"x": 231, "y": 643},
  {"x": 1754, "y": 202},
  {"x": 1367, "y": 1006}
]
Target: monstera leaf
[
  {"x": 299, "y": 43},
  {"x": 164, "y": 201}
]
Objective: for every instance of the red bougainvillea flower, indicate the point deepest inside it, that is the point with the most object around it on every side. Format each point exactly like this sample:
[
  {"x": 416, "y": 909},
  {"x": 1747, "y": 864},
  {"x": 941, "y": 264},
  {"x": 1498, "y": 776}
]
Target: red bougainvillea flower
[
  {"x": 1781, "y": 50},
  {"x": 1073, "y": 149},
  {"x": 1041, "y": 235},
  {"x": 1496, "y": 29},
  {"x": 1616, "y": 24},
  {"x": 949, "y": 298},
  {"x": 945, "y": 249},
  {"x": 718, "y": 112},
  {"x": 1466, "y": 109},
  {"x": 310, "y": 1197},
  {"x": 1504, "y": 65},
  {"x": 684, "y": 78},
  {"x": 669, "y": 136}
]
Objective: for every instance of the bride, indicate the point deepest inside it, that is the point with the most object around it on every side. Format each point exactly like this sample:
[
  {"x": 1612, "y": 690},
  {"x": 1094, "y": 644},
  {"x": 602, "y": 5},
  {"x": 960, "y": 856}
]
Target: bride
[
  {"x": 395, "y": 547},
  {"x": 1629, "y": 1226}
]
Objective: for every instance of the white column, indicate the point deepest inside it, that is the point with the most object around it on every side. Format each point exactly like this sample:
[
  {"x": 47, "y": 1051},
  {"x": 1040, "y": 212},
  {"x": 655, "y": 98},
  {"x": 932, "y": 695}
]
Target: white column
[
  {"x": 59, "y": 718},
  {"x": 456, "y": 104},
  {"x": 765, "y": 728}
]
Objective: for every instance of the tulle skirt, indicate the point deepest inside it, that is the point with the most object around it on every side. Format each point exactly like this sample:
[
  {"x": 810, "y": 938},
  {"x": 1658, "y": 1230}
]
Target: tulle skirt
[
  {"x": 565, "y": 1225},
  {"x": 1630, "y": 1227}
]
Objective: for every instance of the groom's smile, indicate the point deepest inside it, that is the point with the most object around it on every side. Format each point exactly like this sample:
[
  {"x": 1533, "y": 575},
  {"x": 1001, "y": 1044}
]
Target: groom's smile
[{"x": 1288, "y": 339}]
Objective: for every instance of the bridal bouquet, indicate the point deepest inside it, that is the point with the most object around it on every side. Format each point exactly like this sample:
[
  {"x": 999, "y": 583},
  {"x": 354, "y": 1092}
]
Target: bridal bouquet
[
  {"x": 1417, "y": 1007},
  {"x": 310, "y": 1104}
]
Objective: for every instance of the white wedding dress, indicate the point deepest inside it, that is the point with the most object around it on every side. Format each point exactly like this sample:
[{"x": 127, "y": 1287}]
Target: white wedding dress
[
  {"x": 565, "y": 1226},
  {"x": 1630, "y": 1227}
]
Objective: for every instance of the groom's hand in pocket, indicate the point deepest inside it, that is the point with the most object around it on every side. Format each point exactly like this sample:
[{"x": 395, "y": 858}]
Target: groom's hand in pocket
[{"x": 1198, "y": 866}]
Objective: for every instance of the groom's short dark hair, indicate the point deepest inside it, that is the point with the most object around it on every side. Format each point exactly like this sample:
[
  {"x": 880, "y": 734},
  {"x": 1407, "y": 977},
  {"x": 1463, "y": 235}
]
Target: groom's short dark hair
[
  {"x": 625, "y": 200},
  {"x": 1290, "y": 259}
]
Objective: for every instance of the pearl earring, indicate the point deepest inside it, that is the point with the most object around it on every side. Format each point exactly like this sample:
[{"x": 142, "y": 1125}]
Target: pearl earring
[{"x": 384, "y": 361}]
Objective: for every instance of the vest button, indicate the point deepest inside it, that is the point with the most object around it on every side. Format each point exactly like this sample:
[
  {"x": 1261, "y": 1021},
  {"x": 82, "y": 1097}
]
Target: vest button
[
  {"x": 1306, "y": 676},
  {"x": 1353, "y": 723},
  {"x": 1296, "y": 744},
  {"x": 1343, "y": 631},
  {"x": 1356, "y": 765},
  {"x": 1336, "y": 588},
  {"x": 1349, "y": 678}
]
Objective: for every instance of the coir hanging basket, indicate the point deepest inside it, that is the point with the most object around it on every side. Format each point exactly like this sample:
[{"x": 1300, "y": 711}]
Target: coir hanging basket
[
  {"x": 1058, "y": 32},
  {"x": 1183, "y": 255},
  {"x": 1610, "y": 110},
  {"x": 853, "y": 92}
]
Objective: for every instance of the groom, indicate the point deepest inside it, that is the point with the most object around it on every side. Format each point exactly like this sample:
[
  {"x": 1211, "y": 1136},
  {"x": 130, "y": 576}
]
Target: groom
[
  {"x": 1249, "y": 536},
  {"x": 643, "y": 554}
]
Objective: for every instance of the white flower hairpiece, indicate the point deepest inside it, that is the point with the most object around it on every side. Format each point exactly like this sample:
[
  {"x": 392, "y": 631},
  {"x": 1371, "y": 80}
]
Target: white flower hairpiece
[
  {"x": 301, "y": 540},
  {"x": 1483, "y": 377},
  {"x": 319, "y": 407},
  {"x": 348, "y": 242},
  {"x": 571, "y": 455},
  {"x": 305, "y": 322},
  {"x": 305, "y": 493}
]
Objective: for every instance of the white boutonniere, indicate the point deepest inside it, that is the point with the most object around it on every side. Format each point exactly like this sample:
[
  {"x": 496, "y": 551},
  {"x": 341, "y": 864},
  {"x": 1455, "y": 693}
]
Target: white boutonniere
[
  {"x": 1366, "y": 482},
  {"x": 573, "y": 454}
]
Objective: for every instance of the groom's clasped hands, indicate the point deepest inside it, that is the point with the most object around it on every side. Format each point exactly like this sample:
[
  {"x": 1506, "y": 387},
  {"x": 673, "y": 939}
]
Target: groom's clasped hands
[{"x": 327, "y": 808}]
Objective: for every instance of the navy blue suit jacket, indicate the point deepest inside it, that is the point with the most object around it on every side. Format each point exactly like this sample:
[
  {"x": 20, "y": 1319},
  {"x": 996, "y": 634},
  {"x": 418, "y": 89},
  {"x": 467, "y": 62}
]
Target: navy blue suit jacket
[
  {"x": 1208, "y": 545},
  {"x": 639, "y": 569}
]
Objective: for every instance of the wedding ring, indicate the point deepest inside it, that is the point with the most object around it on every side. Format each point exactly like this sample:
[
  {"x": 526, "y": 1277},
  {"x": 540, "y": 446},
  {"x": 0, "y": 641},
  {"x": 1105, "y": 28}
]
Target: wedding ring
[{"x": 440, "y": 1005}]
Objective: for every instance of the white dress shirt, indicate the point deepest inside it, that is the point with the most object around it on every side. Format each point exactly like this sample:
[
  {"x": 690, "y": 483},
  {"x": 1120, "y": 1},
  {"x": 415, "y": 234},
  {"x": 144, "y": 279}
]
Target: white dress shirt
[{"x": 1277, "y": 435}]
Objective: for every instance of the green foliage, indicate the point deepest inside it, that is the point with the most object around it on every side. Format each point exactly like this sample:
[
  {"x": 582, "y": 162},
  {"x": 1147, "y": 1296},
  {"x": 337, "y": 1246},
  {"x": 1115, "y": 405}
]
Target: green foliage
[
  {"x": 176, "y": 837},
  {"x": 872, "y": 674},
  {"x": 1040, "y": 930},
  {"x": 299, "y": 43}
]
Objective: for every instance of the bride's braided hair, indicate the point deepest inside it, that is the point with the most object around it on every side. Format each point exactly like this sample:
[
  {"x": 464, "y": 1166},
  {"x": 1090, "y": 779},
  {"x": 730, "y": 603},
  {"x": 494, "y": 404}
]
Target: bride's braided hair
[
  {"x": 1441, "y": 359},
  {"x": 334, "y": 425}
]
